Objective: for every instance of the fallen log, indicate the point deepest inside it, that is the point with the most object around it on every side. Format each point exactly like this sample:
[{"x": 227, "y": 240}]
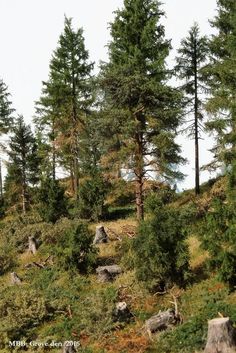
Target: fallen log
[
  {"x": 108, "y": 273},
  {"x": 221, "y": 337},
  {"x": 161, "y": 321}
]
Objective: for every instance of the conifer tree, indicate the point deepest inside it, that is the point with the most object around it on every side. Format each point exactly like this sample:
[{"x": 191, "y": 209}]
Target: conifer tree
[
  {"x": 22, "y": 165},
  {"x": 191, "y": 59},
  {"x": 67, "y": 96},
  {"x": 144, "y": 109},
  {"x": 5, "y": 109}
]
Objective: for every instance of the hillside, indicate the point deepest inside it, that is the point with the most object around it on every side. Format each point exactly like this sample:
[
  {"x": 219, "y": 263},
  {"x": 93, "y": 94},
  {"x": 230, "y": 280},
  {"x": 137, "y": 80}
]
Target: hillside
[{"x": 53, "y": 303}]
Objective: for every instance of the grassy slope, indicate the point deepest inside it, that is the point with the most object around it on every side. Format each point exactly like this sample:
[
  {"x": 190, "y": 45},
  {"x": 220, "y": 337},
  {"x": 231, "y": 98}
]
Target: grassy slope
[{"x": 197, "y": 303}]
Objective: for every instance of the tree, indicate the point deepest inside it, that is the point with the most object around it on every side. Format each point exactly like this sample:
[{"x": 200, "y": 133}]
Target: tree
[
  {"x": 52, "y": 202},
  {"x": 23, "y": 164},
  {"x": 219, "y": 228},
  {"x": 5, "y": 109},
  {"x": 66, "y": 97},
  {"x": 192, "y": 57},
  {"x": 221, "y": 76},
  {"x": 142, "y": 110}
]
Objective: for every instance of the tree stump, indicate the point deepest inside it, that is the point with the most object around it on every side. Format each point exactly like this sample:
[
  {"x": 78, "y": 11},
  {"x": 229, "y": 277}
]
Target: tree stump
[
  {"x": 15, "y": 279},
  {"x": 32, "y": 245},
  {"x": 221, "y": 337},
  {"x": 122, "y": 312},
  {"x": 108, "y": 273},
  {"x": 160, "y": 321},
  {"x": 68, "y": 347},
  {"x": 100, "y": 236},
  {"x": 104, "y": 276}
]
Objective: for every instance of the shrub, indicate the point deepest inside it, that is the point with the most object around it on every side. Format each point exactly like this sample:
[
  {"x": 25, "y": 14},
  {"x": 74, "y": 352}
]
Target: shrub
[
  {"x": 74, "y": 248},
  {"x": 92, "y": 195},
  {"x": 218, "y": 238},
  {"x": 52, "y": 202},
  {"x": 7, "y": 256},
  {"x": 161, "y": 255}
]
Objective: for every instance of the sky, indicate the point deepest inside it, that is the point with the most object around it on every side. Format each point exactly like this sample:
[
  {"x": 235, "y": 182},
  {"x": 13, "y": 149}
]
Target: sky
[{"x": 30, "y": 29}]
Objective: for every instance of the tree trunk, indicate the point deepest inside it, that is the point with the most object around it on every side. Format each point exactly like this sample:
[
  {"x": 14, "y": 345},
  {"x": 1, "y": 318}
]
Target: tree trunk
[
  {"x": 196, "y": 132},
  {"x": 1, "y": 188},
  {"x": 161, "y": 321},
  {"x": 221, "y": 336}
]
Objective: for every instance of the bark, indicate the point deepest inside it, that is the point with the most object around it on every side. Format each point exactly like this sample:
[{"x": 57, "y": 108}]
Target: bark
[
  {"x": 32, "y": 245},
  {"x": 196, "y": 132},
  {"x": 161, "y": 321},
  {"x": 100, "y": 235},
  {"x": 221, "y": 336}
]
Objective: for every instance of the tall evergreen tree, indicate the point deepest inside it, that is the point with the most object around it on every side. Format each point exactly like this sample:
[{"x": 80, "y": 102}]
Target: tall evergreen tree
[
  {"x": 222, "y": 81},
  {"x": 145, "y": 110},
  {"x": 5, "y": 109},
  {"x": 67, "y": 96},
  {"x": 22, "y": 165},
  {"x": 192, "y": 58}
]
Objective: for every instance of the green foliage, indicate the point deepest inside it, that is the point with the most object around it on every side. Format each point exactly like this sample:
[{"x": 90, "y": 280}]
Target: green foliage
[
  {"x": 52, "y": 202},
  {"x": 6, "y": 111},
  {"x": 161, "y": 255},
  {"x": 21, "y": 310},
  {"x": 218, "y": 238},
  {"x": 7, "y": 256},
  {"x": 74, "y": 249},
  {"x": 92, "y": 196},
  {"x": 200, "y": 303}
]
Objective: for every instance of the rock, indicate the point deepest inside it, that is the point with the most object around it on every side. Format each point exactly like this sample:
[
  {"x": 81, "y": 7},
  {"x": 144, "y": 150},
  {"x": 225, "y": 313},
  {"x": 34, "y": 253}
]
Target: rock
[
  {"x": 15, "y": 279},
  {"x": 122, "y": 312},
  {"x": 100, "y": 235},
  {"x": 221, "y": 337},
  {"x": 32, "y": 245},
  {"x": 108, "y": 273},
  {"x": 161, "y": 321}
]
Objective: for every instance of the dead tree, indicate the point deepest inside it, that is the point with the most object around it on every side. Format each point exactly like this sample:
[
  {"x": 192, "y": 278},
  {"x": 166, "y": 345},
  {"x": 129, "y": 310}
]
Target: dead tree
[
  {"x": 32, "y": 245},
  {"x": 221, "y": 336},
  {"x": 100, "y": 235},
  {"x": 15, "y": 279}
]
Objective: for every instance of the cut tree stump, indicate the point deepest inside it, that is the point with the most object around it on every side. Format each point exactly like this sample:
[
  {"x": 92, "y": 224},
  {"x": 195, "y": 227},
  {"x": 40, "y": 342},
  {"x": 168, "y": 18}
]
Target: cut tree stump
[
  {"x": 32, "y": 245},
  {"x": 122, "y": 312},
  {"x": 221, "y": 337},
  {"x": 15, "y": 279},
  {"x": 161, "y": 321},
  {"x": 68, "y": 347},
  {"x": 108, "y": 273},
  {"x": 100, "y": 235}
]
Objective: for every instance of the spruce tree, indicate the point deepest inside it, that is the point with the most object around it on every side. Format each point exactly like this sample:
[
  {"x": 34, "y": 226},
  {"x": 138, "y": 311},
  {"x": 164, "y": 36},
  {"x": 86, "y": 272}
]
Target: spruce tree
[
  {"x": 192, "y": 58},
  {"x": 22, "y": 166},
  {"x": 219, "y": 228},
  {"x": 143, "y": 111},
  {"x": 67, "y": 97},
  {"x": 5, "y": 109}
]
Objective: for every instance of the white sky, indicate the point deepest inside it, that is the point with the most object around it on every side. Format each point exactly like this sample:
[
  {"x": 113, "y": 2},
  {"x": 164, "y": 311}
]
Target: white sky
[{"x": 29, "y": 31}]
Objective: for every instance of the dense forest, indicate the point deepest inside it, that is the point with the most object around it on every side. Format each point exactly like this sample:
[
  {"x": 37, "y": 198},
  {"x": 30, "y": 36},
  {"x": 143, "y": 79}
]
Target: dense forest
[{"x": 111, "y": 257}]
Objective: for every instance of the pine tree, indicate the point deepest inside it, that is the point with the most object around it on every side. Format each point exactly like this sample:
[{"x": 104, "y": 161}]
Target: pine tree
[
  {"x": 144, "y": 109},
  {"x": 67, "y": 97},
  {"x": 219, "y": 227},
  {"x": 22, "y": 165},
  {"x": 221, "y": 78},
  {"x": 192, "y": 57},
  {"x": 5, "y": 109}
]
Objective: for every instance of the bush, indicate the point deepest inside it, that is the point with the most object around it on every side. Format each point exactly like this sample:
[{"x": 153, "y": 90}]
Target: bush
[
  {"x": 74, "y": 248},
  {"x": 161, "y": 255},
  {"x": 7, "y": 257},
  {"x": 92, "y": 195},
  {"x": 52, "y": 202},
  {"x": 218, "y": 238}
]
